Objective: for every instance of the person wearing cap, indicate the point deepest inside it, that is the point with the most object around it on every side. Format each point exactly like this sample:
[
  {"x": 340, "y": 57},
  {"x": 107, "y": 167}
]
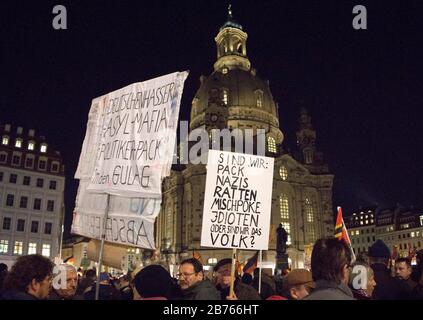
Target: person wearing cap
[
  {"x": 298, "y": 284},
  {"x": 388, "y": 288},
  {"x": 222, "y": 271},
  {"x": 330, "y": 260},
  {"x": 106, "y": 290}
]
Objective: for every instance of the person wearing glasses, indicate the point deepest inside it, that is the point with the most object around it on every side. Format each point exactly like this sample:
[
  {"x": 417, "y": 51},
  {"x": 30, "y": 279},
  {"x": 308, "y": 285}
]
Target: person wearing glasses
[{"x": 194, "y": 285}]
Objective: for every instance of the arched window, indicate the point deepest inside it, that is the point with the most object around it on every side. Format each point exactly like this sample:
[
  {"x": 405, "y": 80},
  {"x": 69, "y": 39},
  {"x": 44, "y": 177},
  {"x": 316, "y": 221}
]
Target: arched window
[
  {"x": 225, "y": 96},
  {"x": 284, "y": 213},
  {"x": 283, "y": 172},
  {"x": 259, "y": 98},
  {"x": 271, "y": 144},
  {"x": 310, "y": 226}
]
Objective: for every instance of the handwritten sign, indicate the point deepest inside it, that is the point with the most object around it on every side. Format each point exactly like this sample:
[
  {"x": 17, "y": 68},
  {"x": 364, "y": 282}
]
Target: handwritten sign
[
  {"x": 237, "y": 204},
  {"x": 135, "y": 137}
]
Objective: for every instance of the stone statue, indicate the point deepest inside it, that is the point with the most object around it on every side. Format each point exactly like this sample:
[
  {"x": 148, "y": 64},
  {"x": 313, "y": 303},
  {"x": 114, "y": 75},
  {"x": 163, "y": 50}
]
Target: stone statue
[{"x": 282, "y": 238}]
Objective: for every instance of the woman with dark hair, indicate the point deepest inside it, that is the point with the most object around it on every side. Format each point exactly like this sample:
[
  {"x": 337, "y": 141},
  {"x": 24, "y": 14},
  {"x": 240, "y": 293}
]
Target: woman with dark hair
[
  {"x": 330, "y": 261},
  {"x": 29, "y": 279}
]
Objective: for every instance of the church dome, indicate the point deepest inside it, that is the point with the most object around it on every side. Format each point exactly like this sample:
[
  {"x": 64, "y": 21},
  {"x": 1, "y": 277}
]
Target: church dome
[{"x": 233, "y": 96}]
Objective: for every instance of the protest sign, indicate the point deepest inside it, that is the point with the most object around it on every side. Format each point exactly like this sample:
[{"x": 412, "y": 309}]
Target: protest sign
[
  {"x": 237, "y": 203},
  {"x": 133, "y": 137},
  {"x": 127, "y": 150}
]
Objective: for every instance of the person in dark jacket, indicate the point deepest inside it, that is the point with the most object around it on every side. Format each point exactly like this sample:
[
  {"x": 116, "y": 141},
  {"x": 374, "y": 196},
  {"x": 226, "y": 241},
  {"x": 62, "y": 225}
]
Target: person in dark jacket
[
  {"x": 267, "y": 288},
  {"x": 330, "y": 261},
  {"x": 106, "y": 290},
  {"x": 242, "y": 291},
  {"x": 403, "y": 272},
  {"x": 125, "y": 289},
  {"x": 29, "y": 279},
  {"x": 387, "y": 288},
  {"x": 86, "y": 282},
  {"x": 192, "y": 282}
]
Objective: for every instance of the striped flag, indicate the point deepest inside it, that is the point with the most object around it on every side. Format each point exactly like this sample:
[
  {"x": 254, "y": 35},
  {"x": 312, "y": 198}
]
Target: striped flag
[
  {"x": 341, "y": 232},
  {"x": 251, "y": 264}
]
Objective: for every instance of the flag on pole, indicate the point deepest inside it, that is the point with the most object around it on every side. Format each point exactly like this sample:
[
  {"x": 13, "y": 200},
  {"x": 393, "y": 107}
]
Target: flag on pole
[
  {"x": 196, "y": 255},
  {"x": 341, "y": 232},
  {"x": 251, "y": 264}
]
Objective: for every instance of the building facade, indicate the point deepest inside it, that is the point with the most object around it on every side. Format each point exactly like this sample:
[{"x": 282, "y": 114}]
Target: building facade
[
  {"x": 399, "y": 227},
  {"x": 233, "y": 96},
  {"x": 32, "y": 186}
]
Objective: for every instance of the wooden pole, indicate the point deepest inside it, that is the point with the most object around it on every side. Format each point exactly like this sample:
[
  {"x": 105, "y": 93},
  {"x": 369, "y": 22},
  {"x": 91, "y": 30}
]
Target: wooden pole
[
  {"x": 100, "y": 255},
  {"x": 259, "y": 265},
  {"x": 231, "y": 290}
]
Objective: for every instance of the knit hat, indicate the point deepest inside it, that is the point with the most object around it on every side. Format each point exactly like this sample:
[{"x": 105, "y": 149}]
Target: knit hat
[
  {"x": 153, "y": 281},
  {"x": 379, "y": 250}
]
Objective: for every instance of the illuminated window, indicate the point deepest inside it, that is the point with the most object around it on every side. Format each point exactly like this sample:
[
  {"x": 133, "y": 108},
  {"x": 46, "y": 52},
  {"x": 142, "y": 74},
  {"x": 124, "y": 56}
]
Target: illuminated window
[
  {"x": 225, "y": 97},
  {"x": 284, "y": 207},
  {"x": 259, "y": 98},
  {"x": 309, "y": 211},
  {"x": 43, "y": 148},
  {"x": 32, "y": 248},
  {"x": 212, "y": 261},
  {"x": 283, "y": 172},
  {"x": 5, "y": 140},
  {"x": 4, "y": 246},
  {"x": 18, "y": 143},
  {"x": 271, "y": 144},
  {"x": 287, "y": 228},
  {"x": 18, "y": 247},
  {"x": 46, "y": 250},
  {"x": 421, "y": 220},
  {"x": 225, "y": 70},
  {"x": 31, "y": 145},
  {"x": 413, "y": 234},
  {"x": 310, "y": 227}
]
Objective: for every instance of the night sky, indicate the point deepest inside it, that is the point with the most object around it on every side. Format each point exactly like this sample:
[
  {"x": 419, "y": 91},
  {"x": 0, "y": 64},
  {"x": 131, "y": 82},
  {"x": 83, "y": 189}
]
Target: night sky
[{"x": 363, "y": 88}]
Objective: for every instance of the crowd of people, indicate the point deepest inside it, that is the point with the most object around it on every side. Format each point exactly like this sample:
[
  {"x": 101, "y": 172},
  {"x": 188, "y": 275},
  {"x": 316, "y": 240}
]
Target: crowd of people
[{"x": 333, "y": 276}]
